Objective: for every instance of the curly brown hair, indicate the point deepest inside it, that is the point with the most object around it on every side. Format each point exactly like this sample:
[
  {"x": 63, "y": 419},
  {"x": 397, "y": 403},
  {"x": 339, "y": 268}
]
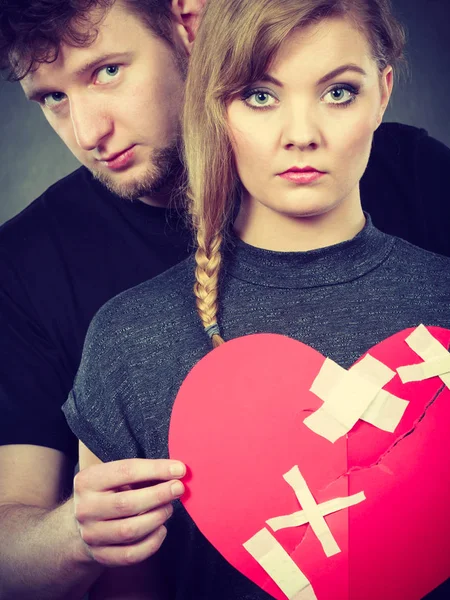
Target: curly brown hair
[{"x": 31, "y": 31}]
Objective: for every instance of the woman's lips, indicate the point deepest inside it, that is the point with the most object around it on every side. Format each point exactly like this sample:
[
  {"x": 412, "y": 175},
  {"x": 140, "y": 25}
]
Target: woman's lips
[{"x": 301, "y": 177}]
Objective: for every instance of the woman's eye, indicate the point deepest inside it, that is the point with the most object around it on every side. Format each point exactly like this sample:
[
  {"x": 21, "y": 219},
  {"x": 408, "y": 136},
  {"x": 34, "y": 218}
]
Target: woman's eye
[
  {"x": 259, "y": 99},
  {"x": 341, "y": 95},
  {"x": 54, "y": 99},
  {"x": 105, "y": 74}
]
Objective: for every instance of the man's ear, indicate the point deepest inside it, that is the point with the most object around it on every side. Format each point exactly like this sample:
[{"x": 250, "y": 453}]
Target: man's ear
[
  {"x": 386, "y": 85},
  {"x": 187, "y": 14}
]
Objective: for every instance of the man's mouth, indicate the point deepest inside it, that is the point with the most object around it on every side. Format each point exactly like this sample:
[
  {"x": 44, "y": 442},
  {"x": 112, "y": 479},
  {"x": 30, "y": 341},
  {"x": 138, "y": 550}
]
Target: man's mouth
[{"x": 119, "y": 160}]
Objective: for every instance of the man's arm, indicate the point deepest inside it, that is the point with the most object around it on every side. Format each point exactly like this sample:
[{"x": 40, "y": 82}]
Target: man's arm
[
  {"x": 41, "y": 553},
  {"x": 54, "y": 552},
  {"x": 136, "y": 582}
]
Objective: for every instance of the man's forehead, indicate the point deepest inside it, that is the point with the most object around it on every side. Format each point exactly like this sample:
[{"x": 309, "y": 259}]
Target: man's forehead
[
  {"x": 109, "y": 40},
  {"x": 101, "y": 31}
]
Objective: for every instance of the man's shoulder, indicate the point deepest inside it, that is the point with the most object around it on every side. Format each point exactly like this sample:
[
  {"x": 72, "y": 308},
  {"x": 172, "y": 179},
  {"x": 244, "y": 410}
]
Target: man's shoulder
[
  {"x": 400, "y": 142},
  {"x": 397, "y": 138},
  {"x": 57, "y": 202}
]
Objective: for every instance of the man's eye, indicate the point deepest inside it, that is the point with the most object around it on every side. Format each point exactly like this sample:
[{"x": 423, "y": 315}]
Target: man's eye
[
  {"x": 54, "y": 99},
  {"x": 107, "y": 73},
  {"x": 259, "y": 99}
]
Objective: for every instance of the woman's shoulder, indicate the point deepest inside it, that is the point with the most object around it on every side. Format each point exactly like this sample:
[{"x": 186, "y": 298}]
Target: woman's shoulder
[
  {"x": 154, "y": 304},
  {"x": 419, "y": 263},
  {"x": 176, "y": 282}
]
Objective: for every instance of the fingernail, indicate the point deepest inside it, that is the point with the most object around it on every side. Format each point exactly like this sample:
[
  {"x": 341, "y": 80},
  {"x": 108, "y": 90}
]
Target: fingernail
[
  {"x": 162, "y": 532},
  {"x": 177, "y": 470},
  {"x": 177, "y": 489},
  {"x": 169, "y": 510}
]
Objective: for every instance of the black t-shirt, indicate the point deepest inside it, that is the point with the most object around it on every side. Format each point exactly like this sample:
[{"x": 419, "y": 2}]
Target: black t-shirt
[
  {"x": 61, "y": 259},
  {"x": 405, "y": 187},
  {"x": 77, "y": 246}
]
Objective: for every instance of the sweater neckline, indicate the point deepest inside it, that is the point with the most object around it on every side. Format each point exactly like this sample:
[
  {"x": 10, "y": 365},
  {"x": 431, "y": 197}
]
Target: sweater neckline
[{"x": 331, "y": 265}]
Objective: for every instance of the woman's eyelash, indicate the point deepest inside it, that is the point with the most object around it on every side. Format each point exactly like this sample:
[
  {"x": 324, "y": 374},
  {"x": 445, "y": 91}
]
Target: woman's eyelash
[
  {"x": 349, "y": 88},
  {"x": 354, "y": 91},
  {"x": 246, "y": 94},
  {"x": 250, "y": 92}
]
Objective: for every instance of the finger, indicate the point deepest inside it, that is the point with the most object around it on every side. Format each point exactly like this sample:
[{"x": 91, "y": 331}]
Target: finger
[
  {"x": 119, "y": 505},
  {"x": 125, "y": 531},
  {"x": 112, "y": 475},
  {"x": 121, "y": 556}
]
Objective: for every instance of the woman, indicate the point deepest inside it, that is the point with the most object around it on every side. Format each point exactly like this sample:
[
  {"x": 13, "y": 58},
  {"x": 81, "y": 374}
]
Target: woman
[{"x": 282, "y": 100}]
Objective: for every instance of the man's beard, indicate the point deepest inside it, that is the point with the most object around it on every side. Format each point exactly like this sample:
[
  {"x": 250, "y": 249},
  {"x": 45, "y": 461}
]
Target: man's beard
[{"x": 163, "y": 171}]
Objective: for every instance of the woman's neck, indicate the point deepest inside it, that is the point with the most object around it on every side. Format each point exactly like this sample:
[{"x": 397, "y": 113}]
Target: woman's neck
[{"x": 262, "y": 227}]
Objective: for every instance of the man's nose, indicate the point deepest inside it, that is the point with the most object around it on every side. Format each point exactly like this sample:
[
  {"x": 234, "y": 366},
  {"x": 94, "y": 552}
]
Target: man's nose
[
  {"x": 300, "y": 127},
  {"x": 91, "y": 123}
]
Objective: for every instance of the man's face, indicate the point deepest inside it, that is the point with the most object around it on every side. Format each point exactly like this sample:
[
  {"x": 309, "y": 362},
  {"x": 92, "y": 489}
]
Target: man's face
[{"x": 116, "y": 103}]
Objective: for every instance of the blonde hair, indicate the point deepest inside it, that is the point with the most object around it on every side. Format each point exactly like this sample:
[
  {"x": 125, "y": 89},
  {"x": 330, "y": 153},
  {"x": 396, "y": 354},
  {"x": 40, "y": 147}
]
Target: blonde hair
[{"x": 236, "y": 41}]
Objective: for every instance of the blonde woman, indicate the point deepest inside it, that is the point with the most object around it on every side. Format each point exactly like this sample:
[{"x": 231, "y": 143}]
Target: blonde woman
[{"x": 283, "y": 98}]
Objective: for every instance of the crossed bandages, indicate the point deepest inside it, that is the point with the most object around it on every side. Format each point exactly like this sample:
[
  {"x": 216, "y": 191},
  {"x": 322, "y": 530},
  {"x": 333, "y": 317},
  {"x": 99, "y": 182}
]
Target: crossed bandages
[{"x": 358, "y": 393}]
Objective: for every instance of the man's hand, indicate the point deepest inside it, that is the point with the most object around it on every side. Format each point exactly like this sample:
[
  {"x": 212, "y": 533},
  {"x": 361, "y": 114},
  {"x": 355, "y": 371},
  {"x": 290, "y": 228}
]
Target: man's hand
[{"x": 121, "y": 507}]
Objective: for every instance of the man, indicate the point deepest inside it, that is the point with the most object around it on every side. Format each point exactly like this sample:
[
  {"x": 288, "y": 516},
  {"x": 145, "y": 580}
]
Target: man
[
  {"x": 113, "y": 94},
  {"x": 115, "y": 102}
]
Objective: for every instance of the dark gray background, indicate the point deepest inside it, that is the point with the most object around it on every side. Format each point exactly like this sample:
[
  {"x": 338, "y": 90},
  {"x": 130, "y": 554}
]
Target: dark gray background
[{"x": 32, "y": 156}]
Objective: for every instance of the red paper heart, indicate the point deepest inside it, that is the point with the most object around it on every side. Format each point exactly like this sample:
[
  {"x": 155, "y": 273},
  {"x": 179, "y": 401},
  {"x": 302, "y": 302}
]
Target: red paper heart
[{"x": 237, "y": 423}]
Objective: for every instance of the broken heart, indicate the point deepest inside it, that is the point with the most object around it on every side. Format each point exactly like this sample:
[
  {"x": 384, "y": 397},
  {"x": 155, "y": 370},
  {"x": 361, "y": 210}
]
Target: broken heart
[{"x": 238, "y": 424}]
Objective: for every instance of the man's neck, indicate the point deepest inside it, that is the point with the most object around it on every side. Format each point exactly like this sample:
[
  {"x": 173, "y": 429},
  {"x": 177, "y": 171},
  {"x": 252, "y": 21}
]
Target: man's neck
[
  {"x": 160, "y": 201},
  {"x": 163, "y": 197}
]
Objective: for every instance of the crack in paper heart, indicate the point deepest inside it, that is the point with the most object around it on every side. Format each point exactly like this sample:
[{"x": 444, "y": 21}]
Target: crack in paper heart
[{"x": 378, "y": 462}]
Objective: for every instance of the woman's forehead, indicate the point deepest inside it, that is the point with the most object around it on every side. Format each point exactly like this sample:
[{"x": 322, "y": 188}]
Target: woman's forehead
[{"x": 318, "y": 49}]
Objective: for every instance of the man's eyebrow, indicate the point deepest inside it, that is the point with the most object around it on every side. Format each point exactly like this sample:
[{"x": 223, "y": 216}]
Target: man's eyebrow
[
  {"x": 34, "y": 93},
  {"x": 108, "y": 58},
  {"x": 331, "y": 75}
]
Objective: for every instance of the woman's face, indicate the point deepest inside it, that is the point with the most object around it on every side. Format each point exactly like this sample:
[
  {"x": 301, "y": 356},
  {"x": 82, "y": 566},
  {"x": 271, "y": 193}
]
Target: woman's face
[{"x": 318, "y": 106}]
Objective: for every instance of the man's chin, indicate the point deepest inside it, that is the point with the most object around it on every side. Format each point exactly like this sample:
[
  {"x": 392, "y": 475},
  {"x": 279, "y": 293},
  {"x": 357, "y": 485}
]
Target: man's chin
[
  {"x": 161, "y": 175},
  {"x": 124, "y": 186},
  {"x": 132, "y": 188}
]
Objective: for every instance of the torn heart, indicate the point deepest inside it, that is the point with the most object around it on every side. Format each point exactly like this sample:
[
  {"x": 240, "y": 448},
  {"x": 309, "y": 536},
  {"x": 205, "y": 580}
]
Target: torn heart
[{"x": 238, "y": 424}]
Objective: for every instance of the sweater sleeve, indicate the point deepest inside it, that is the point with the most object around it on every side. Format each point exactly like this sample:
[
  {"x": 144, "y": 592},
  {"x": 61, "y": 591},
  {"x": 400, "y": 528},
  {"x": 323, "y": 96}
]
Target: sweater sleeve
[{"x": 97, "y": 407}]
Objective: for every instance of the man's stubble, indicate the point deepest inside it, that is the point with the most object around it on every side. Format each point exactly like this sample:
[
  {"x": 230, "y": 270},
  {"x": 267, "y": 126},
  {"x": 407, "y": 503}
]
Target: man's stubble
[{"x": 163, "y": 169}]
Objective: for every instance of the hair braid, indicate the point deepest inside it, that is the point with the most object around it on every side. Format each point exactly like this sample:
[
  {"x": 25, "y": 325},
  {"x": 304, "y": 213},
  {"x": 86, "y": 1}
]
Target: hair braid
[{"x": 208, "y": 259}]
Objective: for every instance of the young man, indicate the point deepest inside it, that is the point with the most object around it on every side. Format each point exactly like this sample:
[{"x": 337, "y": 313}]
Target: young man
[{"x": 113, "y": 94}]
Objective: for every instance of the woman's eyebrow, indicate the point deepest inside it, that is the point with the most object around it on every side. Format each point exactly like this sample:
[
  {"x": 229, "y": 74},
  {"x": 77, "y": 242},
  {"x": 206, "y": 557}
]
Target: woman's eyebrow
[
  {"x": 266, "y": 78},
  {"x": 339, "y": 71}
]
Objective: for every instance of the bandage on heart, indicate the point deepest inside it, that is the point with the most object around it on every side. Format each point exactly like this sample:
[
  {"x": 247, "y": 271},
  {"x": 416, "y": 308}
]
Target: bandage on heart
[
  {"x": 275, "y": 560},
  {"x": 352, "y": 395},
  {"x": 238, "y": 424},
  {"x": 436, "y": 358}
]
